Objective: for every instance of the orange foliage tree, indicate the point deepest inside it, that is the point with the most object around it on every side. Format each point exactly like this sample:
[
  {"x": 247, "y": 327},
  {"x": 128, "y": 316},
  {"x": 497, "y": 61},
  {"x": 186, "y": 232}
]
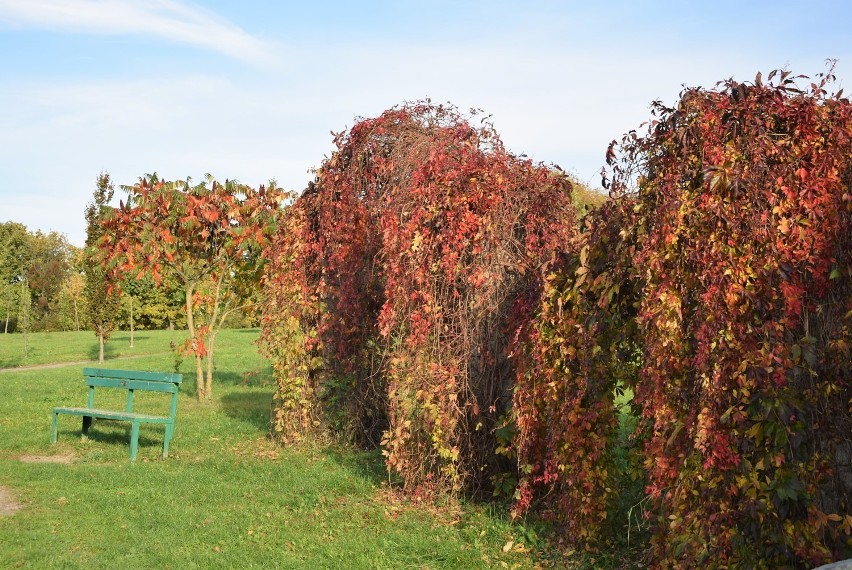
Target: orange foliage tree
[{"x": 208, "y": 236}]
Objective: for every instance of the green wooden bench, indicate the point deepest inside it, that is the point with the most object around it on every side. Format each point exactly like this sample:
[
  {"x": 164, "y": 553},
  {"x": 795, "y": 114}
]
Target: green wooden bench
[{"x": 132, "y": 381}]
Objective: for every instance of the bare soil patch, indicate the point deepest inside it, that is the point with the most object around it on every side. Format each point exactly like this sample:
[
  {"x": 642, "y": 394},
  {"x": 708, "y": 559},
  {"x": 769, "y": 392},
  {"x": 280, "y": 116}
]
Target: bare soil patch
[
  {"x": 8, "y": 504},
  {"x": 63, "y": 459}
]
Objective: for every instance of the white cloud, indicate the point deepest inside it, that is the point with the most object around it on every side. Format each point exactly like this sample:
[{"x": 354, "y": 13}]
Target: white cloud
[{"x": 170, "y": 19}]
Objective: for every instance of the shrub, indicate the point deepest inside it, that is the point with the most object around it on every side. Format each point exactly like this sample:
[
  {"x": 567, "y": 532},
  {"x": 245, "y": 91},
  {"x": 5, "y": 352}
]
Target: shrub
[
  {"x": 744, "y": 220},
  {"x": 395, "y": 275}
]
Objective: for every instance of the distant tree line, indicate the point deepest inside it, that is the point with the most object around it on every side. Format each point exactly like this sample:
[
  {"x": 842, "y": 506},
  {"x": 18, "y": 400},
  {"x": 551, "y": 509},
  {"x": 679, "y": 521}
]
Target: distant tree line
[{"x": 50, "y": 271}]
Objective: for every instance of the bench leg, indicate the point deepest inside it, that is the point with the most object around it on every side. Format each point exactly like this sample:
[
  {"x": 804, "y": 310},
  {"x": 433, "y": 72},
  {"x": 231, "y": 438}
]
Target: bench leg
[
  {"x": 87, "y": 423},
  {"x": 134, "y": 440},
  {"x": 53, "y": 433},
  {"x": 170, "y": 429}
]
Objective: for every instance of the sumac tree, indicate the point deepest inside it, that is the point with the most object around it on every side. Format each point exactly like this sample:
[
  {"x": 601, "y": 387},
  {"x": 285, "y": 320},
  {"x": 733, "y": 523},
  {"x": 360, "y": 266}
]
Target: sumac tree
[{"x": 207, "y": 236}]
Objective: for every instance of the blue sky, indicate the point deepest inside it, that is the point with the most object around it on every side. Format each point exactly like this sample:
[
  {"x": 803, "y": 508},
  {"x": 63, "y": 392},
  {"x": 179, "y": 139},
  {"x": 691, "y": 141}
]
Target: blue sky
[{"x": 251, "y": 90}]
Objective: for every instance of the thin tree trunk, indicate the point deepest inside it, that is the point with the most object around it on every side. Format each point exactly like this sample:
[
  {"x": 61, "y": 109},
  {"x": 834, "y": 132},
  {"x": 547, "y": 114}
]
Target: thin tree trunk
[
  {"x": 25, "y": 315},
  {"x": 211, "y": 339},
  {"x": 8, "y": 308},
  {"x": 101, "y": 345},
  {"x": 190, "y": 321},
  {"x": 131, "y": 320},
  {"x": 216, "y": 322},
  {"x": 76, "y": 316}
]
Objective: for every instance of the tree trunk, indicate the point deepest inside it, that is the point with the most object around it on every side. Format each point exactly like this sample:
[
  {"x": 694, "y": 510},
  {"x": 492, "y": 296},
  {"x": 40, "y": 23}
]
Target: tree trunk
[
  {"x": 131, "y": 321},
  {"x": 76, "y": 316},
  {"x": 101, "y": 346},
  {"x": 8, "y": 308},
  {"x": 190, "y": 321},
  {"x": 24, "y": 319},
  {"x": 211, "y": 339}
]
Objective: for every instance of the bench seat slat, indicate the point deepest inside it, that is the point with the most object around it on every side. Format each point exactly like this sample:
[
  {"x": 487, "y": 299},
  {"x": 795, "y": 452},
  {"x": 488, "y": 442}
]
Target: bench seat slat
[{"x": 113, "y": 415}]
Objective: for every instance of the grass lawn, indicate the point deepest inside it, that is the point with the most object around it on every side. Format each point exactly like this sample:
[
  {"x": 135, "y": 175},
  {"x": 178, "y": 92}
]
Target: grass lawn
[
  {"x": 226, "y": 497},
  {"x": 46, "y": 348}
]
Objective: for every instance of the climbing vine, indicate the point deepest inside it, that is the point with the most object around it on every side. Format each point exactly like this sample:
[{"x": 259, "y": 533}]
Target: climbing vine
[
  {"x": 432, "y": 294},
  {"x": 744, "y": 216},
  {"x": 408, "y": 250}
]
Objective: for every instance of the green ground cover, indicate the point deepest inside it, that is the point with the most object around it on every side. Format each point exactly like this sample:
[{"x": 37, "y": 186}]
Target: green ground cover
[
  {"x": 226, "y": 497},
  {"x": 69, "y": 346}
]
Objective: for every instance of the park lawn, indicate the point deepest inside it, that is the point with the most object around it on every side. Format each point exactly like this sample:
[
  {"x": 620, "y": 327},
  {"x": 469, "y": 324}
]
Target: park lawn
[
  {"x": 226, "y": 497},
  {"x": 73, "y": 346}
]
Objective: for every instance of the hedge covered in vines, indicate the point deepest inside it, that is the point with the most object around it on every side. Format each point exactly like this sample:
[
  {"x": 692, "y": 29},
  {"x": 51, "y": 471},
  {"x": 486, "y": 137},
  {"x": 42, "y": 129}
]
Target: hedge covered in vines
[
  {"x": 716, "y": 284},
  {"x": 432, "y": 294},
  {"x": 392, "y": 283},
  {"x": 744, "y": 219}
]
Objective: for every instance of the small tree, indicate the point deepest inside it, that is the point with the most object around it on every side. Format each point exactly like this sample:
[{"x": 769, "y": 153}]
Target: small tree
[
  {"x": 7, "y": 294},
  {"x": 102, "y": 297},
  {"x": 15, "y": 253},
  {"x": 72, "y": 302},
  {"x": 207, "y": 236}
]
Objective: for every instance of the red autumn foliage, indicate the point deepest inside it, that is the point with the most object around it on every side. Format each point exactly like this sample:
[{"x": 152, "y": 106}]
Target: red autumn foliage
[
  {"x": 208, "y": 237},
  {"x": 391, "y": 283},
  {"x": 575, "y": 346},
  {"x": 715, "y": 284}
]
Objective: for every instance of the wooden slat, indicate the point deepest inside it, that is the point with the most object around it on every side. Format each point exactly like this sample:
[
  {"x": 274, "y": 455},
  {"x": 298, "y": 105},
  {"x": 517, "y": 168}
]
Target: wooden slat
[
  {"x": 112, "y": 415},
  {"x": 132, "y": 384},
  {"x": 134, "y": 375}
]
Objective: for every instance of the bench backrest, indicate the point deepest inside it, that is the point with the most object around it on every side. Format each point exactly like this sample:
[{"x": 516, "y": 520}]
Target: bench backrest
[{"x": 132, "y": 380}]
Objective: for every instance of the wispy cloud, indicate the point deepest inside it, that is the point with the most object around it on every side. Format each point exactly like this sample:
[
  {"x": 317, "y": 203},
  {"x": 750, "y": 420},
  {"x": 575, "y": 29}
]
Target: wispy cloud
[{"x": 176, "y": 21}]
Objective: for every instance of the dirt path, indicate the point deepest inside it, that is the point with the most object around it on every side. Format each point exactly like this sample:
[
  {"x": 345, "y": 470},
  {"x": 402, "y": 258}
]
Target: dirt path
[{"x": 76, "y": 363}]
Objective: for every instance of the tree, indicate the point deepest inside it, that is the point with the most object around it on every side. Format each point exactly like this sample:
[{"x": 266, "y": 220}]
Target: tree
[
  {"x": 154, "y": 306},
  {"x": 72, "y": 302},
  {"x": 14, "y": 259},
  {"x": 25, "y": 308},
  {"x": 49, "y": 264},
  {"x": 100, "y": 292},
  {"x": 207, "y": 236}
]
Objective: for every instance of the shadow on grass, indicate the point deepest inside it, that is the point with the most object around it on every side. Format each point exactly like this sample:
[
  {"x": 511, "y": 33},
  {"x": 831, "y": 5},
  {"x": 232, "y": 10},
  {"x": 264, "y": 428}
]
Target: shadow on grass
[
  {"x": 116, "y": 433},
  {"x": 253, "y": 408},
  {"x": 368, "y": 464},
  {"x": 260, "y": 376},
  {"x": 94, "y": 351}
]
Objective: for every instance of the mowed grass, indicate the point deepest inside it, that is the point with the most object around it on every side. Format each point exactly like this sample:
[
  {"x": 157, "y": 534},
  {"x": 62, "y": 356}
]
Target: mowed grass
[
  {"x": 51, "y": 347},
  {"x": 226, "y": 497}
]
